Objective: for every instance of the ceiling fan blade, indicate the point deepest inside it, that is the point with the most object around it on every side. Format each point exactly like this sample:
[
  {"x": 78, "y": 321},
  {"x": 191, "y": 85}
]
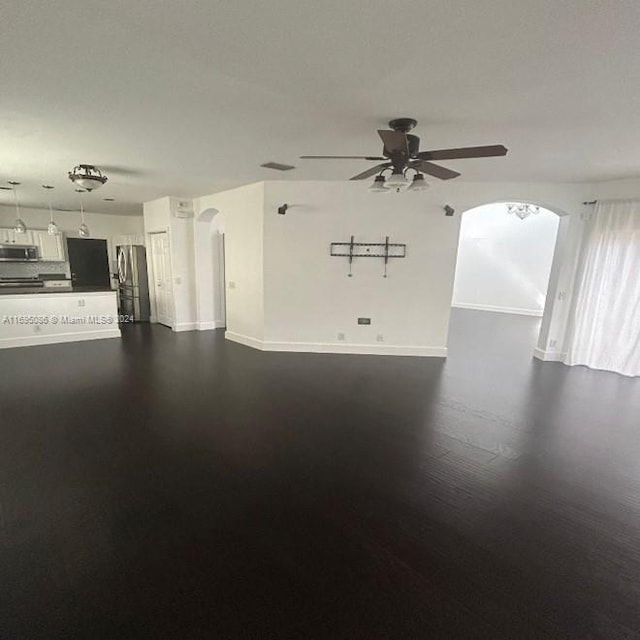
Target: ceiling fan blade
[
  {"x": 342, "y": 158},
  {"x": 395, "y": 142},
  {"x": 464, "y": 152},
  {"x": 371, "y": 172},
  {"x": 435, "y": 170}
]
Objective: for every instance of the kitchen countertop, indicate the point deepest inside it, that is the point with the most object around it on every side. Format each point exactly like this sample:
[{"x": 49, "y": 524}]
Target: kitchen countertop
[{"x": 39, "y": 291}]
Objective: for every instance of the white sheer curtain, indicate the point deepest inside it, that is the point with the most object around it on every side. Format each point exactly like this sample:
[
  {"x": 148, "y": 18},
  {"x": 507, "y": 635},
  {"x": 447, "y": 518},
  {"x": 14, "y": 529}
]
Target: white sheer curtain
[{"x": 605, "y": 332}]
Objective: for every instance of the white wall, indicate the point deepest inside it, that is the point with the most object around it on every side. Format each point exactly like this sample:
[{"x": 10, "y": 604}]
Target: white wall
[
  {"x": 241, "y": 218},
  {"x": 309, "y": 298},
  {"x": 305, "y": 298},
  {"x": 504, "y": 262}
]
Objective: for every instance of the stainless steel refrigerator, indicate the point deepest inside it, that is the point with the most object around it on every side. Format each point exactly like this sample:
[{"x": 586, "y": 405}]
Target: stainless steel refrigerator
[{"x": 133, "y": 285}]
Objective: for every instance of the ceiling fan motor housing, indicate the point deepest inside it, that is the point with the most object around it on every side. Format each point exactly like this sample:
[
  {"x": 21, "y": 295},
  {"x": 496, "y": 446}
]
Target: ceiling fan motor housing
[
  {"x": 413, "y": 142},
  {"x": 402, "y": 124}
]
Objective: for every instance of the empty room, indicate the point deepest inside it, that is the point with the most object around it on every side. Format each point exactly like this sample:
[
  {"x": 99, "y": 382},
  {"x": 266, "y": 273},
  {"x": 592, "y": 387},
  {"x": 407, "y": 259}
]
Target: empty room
[{"x": 320, "y": 320}]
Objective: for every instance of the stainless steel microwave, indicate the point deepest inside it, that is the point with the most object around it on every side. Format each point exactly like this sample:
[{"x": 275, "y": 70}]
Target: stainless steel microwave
[{"x": 18, "y": 253}]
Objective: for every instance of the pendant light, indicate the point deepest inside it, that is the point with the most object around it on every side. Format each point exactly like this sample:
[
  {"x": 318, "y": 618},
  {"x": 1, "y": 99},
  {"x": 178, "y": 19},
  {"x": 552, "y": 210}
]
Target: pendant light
[
  {"x": 87, "y": 176},
  {"x": 18, "y": 226},
  {"x": 83, "y": 230},
  {"x": 52, "y": 227}
]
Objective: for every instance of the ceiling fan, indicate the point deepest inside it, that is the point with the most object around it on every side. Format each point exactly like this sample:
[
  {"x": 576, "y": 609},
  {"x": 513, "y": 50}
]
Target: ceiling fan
[{"x": 401, "y": 152}]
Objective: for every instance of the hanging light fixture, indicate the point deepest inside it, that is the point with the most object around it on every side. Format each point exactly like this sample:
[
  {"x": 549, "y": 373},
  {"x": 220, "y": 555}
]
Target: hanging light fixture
[
  {"x": 522, "y": 210},
  {"x": 378, "y": 185},
  {"x": 83, "y": 230},
  {"x": 87, "y": 176},
  {"x": 418, "y": 183},
  {"x": 18, "y": 226},
  {"x": 397, "y": 180},
  {"x": 52, "y": 227}
]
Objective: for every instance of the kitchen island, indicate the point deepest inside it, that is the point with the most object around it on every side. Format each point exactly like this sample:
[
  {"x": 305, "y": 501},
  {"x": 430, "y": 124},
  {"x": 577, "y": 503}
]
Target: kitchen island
[{"x": 28, "y": 319}]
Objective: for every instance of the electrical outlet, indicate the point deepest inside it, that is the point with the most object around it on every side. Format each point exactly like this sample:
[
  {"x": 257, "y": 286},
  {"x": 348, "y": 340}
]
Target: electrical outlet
[
  {"x": 341, "y": 336},
  {"x": 81, "y": 303},
  {"x": 553, "y": 343},
  {"x": 380, "y": 338},
  {"x": 37, "y": 328},
  {"x": 232, "y": 284},
  {"x": 178, "y": 280},
  {"x": 562, "y": 295}
]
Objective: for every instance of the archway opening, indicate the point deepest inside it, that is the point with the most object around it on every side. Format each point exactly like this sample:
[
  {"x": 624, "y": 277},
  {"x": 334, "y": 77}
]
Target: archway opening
[
  {"x": 210, "y": 271},
  {"x": 505, "y": 258}
]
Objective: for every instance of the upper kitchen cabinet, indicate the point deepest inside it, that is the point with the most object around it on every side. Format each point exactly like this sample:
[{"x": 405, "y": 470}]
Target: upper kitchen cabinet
[
  {"x": 50, "y": 247},
  {"x": 9, "y": 236}
]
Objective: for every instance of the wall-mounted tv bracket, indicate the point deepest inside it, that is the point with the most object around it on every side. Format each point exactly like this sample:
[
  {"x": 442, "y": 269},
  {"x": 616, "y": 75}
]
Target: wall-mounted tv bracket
[{"x": 351, "y": 250}]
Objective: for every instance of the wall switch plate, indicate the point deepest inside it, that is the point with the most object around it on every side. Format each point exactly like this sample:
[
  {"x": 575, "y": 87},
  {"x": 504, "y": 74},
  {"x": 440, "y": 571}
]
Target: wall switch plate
[
  {"x": 232, "y": 285},
  {"x": 364, "y": 320},
  {"x": 178, "y": 280},
  {"x": 341, "y": 336}
]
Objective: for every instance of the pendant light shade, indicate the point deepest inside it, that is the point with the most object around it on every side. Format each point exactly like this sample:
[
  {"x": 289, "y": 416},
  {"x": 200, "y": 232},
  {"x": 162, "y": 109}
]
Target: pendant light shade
[
  {"x": 83, "y": 230},
  {"x": 418, "y": 183},
  {"x": 378, "y": 185},
  {"x": 18, "y": 226},
  {"x": 52, "y": 227}
]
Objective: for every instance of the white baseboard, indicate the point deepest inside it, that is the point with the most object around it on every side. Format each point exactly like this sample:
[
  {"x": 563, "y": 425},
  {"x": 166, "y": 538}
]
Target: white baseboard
[
  {"x": 185, "y": 326},
  {"x": 211, "y": 324},
  {"x": 248, "y": 341},
  {"x": 549, "y": 356},
  {"x": 345, "y": 348},
  {"x": 487, "y": 307},
  {"x": 32, "y": 341}
]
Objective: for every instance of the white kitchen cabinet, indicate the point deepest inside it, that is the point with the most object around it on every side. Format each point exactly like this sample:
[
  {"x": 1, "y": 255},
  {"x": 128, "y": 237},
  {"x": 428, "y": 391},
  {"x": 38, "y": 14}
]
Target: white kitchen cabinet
[
  {"x": 9, "y": 236},
  {"x": 50, "y": 247}
]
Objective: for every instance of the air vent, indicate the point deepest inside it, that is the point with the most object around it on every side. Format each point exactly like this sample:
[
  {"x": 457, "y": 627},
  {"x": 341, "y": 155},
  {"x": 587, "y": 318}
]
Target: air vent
[{"x": 277, "y": 166}]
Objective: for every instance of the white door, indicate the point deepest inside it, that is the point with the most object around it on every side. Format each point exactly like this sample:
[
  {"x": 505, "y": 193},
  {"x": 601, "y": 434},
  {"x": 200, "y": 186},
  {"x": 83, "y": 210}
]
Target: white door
[{"x": 163, "y": 292}]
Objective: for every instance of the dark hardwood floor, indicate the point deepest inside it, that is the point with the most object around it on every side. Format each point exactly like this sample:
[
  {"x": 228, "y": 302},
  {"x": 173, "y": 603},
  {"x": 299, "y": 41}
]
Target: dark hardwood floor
[{"x": 178, "y": 486}]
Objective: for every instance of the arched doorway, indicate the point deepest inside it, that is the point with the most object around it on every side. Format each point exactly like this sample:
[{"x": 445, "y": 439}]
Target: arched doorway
[
  {"x": 209, "y": 265},
  {"x": 506, "y": 256}
]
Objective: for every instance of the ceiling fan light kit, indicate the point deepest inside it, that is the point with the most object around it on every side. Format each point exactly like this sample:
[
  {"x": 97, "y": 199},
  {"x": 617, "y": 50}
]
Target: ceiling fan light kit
[
  {"x": 418, "y": 183},
  {"x": 401, "y": 151},
  {"x": 87, "y": 176},
  {"x": 379, "y": 185}
]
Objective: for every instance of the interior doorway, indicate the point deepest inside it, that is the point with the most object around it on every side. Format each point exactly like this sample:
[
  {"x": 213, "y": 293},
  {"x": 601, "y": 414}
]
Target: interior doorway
[
  {"x": 162, "y": 299},
  {"x": 505, "y": 256}
]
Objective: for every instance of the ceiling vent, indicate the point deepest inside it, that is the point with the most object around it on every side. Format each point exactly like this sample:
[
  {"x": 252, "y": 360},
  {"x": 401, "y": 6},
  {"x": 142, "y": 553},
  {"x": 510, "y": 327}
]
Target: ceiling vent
[{"x": 277, "y": 166}]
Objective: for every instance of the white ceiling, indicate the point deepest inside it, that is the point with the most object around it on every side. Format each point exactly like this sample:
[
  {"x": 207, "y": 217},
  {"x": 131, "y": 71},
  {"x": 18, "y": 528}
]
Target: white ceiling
[{"x": 190, "y": 97}]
